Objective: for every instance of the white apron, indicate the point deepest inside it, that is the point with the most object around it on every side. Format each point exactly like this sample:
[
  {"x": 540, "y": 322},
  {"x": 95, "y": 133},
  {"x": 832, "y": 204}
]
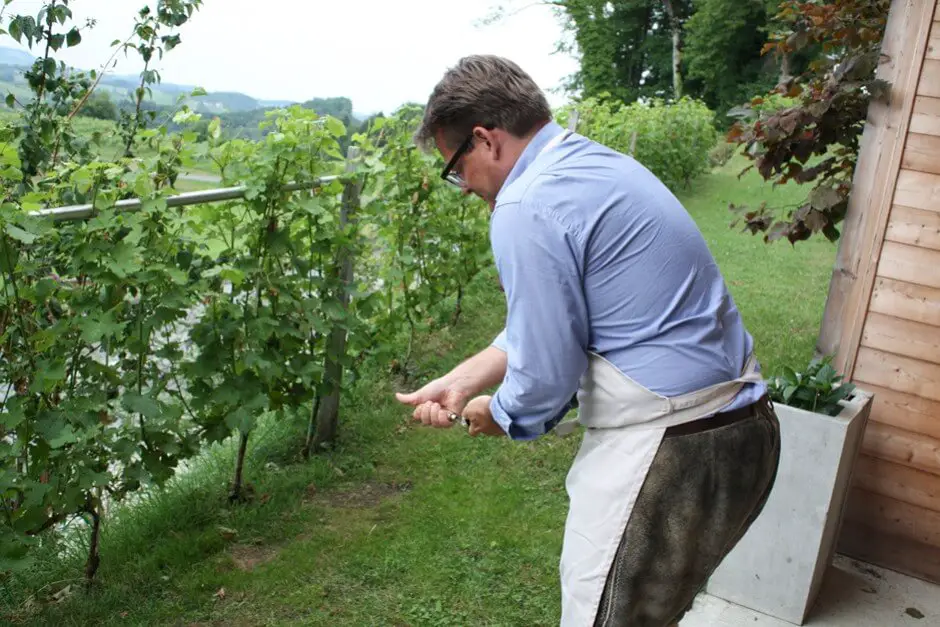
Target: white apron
[{"x": 625, "y": 423}]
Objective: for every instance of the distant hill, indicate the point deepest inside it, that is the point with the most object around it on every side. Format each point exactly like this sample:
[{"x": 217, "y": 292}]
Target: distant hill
[
  {"x": 14, "y": 56},
  {"x": 121, "y": 88}
]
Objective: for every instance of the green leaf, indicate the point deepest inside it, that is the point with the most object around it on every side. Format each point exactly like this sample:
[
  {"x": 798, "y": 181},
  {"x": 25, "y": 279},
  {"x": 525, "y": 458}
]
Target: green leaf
[
  {"x": 44, "y": 340},
  {"x": 89, "y": 479},
  {"x": 16, "y": 29},
  {"x": 177, "y": 276},
  {"x": 100, "y": 327},
  {"x": 233, "y": 275},
  {"x": 244, "y": 418},
  {"x": 9, "y": 256},
  {"x": 140, "y": 404},
  {"x": 19, "y": 234},
  {"x": 48, "y": 375},
  {"x": 123, "y": 259},
  {"x": 215, "y": 128},
  {"x": 73, "y": 38},
  {"x": 14, "y": 415},
  {"x": 335, "y": 127},
  {"x": 65, "y": 435},
  {"x": 334, "y": 310}
]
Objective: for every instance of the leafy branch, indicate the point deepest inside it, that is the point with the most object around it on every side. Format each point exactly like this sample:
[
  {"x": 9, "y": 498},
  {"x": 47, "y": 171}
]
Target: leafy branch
[{"x": 808, "y": 129}]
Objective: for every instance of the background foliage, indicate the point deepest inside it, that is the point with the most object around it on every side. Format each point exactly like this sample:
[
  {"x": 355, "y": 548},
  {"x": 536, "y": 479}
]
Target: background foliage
[
  {"x": 131, "y": 340},
  {"x": 672, "y": 140},
  {"x": 815, "y": 138},
  {"x": 813, "y": 61}
]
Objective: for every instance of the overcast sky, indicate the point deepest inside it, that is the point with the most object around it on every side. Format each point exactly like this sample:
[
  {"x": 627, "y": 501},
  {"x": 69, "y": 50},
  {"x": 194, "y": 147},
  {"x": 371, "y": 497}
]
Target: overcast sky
[{"x": 379, "y": 53}]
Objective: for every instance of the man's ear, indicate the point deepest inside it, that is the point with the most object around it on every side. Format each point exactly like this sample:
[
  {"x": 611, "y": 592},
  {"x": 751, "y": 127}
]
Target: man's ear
[{"x": 488, "y": 139}]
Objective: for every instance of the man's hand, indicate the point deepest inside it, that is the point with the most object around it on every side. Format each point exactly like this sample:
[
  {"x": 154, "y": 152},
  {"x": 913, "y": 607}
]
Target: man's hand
[
  {"x": 435, "y": 401},
  {"x": 481, "y": 420}
]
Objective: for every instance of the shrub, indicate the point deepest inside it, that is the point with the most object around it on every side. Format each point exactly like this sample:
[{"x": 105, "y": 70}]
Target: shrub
[
  {"x": 673, "y": 140},
  {"x": 721, "y": 154},
  {"x": 819, "y": 388}
]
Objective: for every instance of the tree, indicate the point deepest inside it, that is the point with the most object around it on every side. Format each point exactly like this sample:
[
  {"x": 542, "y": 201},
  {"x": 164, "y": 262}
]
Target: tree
[
  {"x": 723, "y": 41},
  {"x": 818, "y": 114},
  {"x": 99, "y": 106},
  {"x": 675, "y": 27},
  {"x": 629, "y": 48}
]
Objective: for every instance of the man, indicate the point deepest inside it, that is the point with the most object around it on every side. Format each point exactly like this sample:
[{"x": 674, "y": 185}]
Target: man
[{"x": 613, "y": 299}]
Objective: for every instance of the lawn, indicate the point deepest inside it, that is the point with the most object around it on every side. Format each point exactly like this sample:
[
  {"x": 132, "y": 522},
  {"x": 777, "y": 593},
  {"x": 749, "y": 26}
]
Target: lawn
[{"x": 399, "y": 525}]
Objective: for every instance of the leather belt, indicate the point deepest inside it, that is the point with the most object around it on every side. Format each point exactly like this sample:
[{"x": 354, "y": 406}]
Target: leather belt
[{"x": 721, "y": 419}]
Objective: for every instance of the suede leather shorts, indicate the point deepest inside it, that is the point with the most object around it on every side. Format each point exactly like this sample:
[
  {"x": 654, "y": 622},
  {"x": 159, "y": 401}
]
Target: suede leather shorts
[{"x": 702, "y": 493}]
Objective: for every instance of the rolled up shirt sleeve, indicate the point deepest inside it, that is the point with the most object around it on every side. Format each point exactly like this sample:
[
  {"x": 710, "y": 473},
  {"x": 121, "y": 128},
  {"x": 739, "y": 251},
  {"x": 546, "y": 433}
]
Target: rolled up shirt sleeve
[
  {"x": 500, "y": 341},
  {"x": 546, "y": 334}
]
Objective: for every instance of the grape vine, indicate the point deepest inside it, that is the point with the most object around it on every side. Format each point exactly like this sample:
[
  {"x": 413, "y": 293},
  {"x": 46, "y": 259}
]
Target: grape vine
[{"x": 132, "y": 339}]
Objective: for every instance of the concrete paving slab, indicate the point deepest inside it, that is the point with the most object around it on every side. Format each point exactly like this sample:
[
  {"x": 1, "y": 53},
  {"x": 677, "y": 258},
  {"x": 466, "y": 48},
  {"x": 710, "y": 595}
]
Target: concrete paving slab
[{"x": 854, "y": 594}]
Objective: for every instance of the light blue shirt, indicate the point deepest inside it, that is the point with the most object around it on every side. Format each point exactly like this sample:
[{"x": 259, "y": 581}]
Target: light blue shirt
[{"x": 596, "y": 254}]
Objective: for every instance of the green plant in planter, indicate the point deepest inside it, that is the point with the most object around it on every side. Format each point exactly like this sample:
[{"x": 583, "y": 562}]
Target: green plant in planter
[{"x": 818, "y": 389}]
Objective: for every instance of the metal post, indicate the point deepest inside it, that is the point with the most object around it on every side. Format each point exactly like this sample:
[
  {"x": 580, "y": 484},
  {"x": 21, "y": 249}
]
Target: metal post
[
  {"x": 81, "y": 212},
  {"x": 573, "y": 120}
]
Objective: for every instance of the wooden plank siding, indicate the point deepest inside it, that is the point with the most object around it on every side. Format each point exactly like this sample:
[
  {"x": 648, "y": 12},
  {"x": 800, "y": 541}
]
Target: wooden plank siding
[
  {"x": 879, "y": 544},
  {"x": 882, "y": 317},
  {"x": 926, "y": 117},
  {"x": 906, "y": 338},
  {"x": 915, "y": 227},
  {"x": 911, "y": 376},
  {"x": 930, "y": 79},
  {"x": 933, "y": 45},
  {"x": 919, "y": 190},
  {"x": 911, "y": 264},
  {"x": 920, "y": 153},
  {"x": 898, "y": 482},
  {"x": 908, "y": 413},
  {"x": 906, "y": 300},
  {"x": 902, "y": 447}
]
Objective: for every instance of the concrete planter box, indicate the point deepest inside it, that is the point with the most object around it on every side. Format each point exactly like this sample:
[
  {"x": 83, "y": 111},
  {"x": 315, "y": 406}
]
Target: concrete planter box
[{"x": 779, "y": 564}]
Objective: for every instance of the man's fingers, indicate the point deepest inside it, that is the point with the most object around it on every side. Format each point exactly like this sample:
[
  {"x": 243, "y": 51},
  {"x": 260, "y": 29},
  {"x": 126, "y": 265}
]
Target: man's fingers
[
  {"x": 423, "y": 412},
  {"x": 474, "y": 427},
  {"x": 433, "y": 414},
  {"x": 442, "y": 418},
  {"x": 412, "y": 398}
]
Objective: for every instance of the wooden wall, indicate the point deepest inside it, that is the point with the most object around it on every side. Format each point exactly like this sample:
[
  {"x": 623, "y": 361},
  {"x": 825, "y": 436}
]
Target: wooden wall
[{"x": 883, "y": 314}]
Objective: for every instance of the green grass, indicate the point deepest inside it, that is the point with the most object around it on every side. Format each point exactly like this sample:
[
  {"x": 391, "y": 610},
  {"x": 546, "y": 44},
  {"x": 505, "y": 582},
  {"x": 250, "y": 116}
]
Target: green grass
[
  {"x": 780, "y": 289},
  {"x": 399, "y": 525}
]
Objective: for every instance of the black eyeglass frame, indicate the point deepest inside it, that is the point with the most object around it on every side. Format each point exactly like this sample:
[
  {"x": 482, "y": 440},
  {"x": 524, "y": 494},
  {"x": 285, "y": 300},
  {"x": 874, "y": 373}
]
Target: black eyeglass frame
[{"x": 448, "y": 174}]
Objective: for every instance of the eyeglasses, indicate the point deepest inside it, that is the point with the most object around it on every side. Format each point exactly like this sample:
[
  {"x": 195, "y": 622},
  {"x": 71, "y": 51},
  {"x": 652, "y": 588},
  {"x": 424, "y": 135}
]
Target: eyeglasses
[{"x": 448, "y": 174}]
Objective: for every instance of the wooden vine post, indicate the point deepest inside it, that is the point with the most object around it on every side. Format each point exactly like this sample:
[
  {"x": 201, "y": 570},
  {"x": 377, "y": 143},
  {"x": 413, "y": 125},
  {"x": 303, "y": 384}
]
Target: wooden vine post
[{"x": 327, "y": 409}]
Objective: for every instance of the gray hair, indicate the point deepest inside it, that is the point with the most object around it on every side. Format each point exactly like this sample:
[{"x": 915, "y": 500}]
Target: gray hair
[{"x": 482, "y": 90}]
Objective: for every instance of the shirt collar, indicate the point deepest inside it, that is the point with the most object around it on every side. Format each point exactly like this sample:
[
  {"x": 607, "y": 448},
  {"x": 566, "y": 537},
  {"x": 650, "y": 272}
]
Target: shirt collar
[{"x": 532, "y": 150}]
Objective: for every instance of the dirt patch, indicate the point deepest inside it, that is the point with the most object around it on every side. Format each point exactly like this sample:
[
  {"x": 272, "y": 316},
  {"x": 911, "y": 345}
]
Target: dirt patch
[
  {"x": 359, "y": 496},
  {"x": 248, "y": 557}
]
